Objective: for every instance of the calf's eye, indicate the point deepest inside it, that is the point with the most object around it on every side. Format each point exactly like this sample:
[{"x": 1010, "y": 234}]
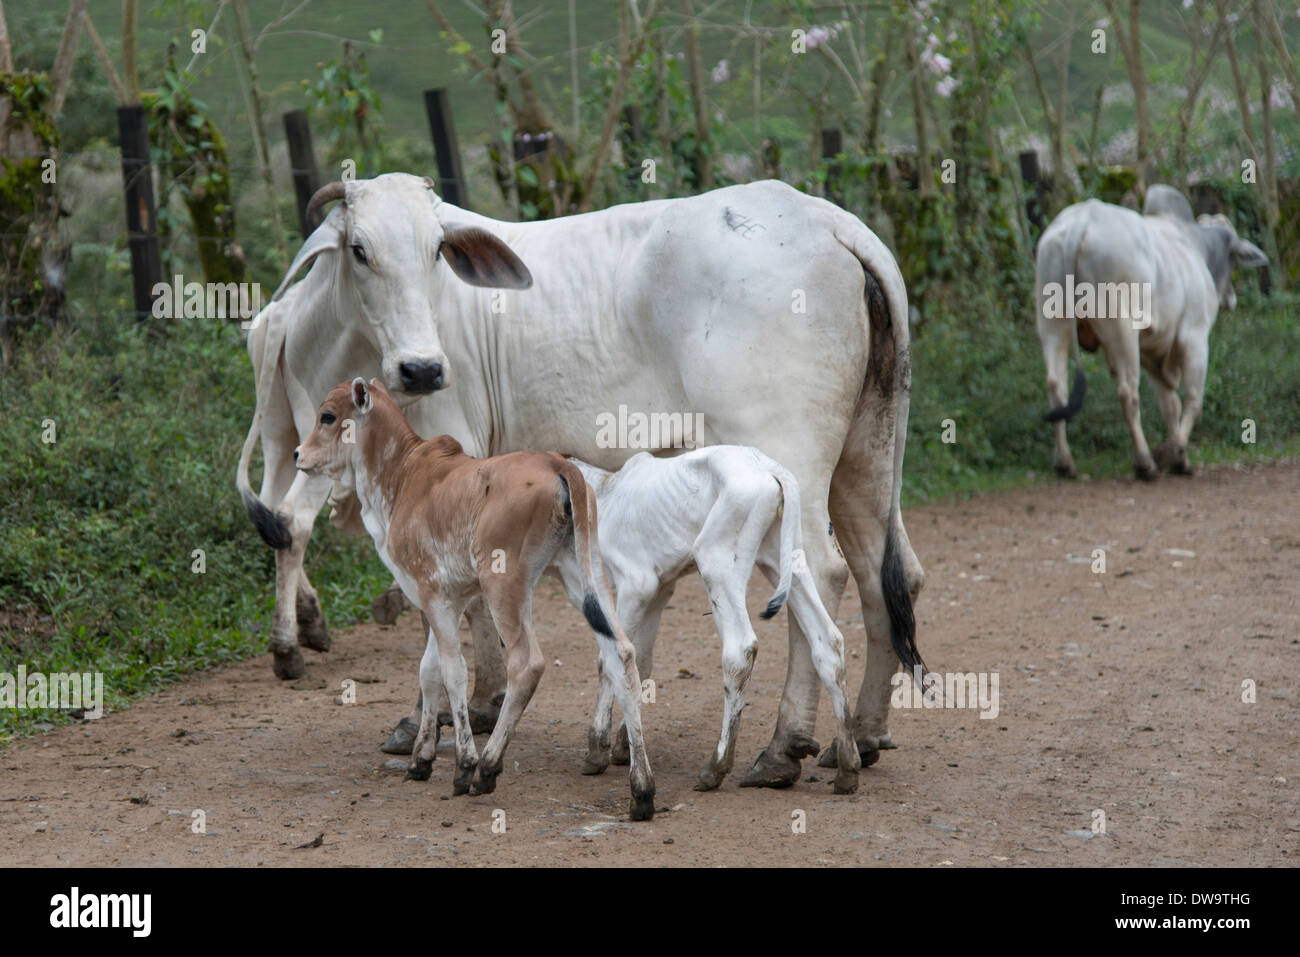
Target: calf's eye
[{"x": 327, "y": 418}]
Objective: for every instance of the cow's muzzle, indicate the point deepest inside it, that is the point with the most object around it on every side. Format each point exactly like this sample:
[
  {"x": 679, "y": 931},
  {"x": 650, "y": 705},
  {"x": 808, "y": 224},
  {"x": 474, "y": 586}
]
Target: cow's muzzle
[{"x": 420, "y": 378}]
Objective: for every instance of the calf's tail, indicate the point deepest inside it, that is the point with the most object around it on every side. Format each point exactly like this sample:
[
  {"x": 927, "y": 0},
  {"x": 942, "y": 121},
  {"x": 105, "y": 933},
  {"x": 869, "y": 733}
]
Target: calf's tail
[
  {"x": 580, "y": 504},
  {"x": 790, "y": 537}
]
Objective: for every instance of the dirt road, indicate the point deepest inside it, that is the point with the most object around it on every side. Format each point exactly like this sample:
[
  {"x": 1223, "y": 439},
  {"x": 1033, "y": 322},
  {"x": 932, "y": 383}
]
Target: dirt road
[{"x": 1120, "y": 694}]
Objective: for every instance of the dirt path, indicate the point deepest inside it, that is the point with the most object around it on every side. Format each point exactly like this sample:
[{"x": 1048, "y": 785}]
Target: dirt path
[{"x": 1119, "y": 692}]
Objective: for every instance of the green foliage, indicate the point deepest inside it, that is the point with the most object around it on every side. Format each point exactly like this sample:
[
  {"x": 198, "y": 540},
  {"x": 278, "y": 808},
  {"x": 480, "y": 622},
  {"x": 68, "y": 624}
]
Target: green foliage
[
  {"x": 98, "y": 530},
  {"x": 28, "y": 206},
  {"x": 344, "y": 99}
]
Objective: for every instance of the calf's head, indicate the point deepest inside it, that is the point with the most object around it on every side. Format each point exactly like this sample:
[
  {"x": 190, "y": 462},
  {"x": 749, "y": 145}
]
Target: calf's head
[
  {"x": 386, "y": 256},
  {"x": 337, "y": 444}
]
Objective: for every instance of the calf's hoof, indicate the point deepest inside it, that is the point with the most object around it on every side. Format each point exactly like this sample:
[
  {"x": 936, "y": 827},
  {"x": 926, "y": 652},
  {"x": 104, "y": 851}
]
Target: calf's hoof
[
  {"x": 486, "y": 782},
  {"x": 1066, "y": 470},
  {"x": 311, "y": 624},
  {"x": 402, "y": 740},
  {"x": 709, "y": 779},
  {"x": 388, "y": 605},
  {"x": 464, "y": 778},
  {"x": 288, "y": 663},
  {"x": 419, "y": 770},
  {"x": 846, "y": 781},
  {"x": 642, "y": 807}
]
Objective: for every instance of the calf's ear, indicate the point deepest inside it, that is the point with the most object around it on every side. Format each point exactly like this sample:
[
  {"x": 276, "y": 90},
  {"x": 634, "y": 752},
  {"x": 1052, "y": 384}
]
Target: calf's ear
[
  {"x": 361, "y": 396},
  {"x": 1247, "y": 254},
  {"x": 479, "y": 258}
]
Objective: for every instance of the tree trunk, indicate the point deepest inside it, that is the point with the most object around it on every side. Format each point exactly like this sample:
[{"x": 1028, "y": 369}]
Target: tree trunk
[
  {"x": 130, "y": 72},
  {"x": 703, "y": 146},
  {"x": 924, "y": 171},
  {"x": 1130, "y": 42}
]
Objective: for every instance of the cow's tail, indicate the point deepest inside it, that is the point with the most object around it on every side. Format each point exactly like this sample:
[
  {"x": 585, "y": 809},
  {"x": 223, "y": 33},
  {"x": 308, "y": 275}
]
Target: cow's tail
[
  {"x": 791, "y": 537},
  {"x": 891, "y": 363},
  {"x": 1080, "y": 388},
  {"x": 270, "y": 526},
  {"x": 580, "y": 507}
]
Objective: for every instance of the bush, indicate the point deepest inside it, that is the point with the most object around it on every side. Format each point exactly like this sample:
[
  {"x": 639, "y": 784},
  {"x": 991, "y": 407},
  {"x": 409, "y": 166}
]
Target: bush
[{"x": 99, "y": 527}]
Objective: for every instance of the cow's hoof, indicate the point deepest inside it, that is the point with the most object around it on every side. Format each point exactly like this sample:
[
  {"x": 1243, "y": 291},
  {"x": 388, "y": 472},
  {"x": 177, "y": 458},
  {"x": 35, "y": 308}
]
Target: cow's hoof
[
  {"x": 621, "y": 754},
  {"x": 868, "y": 756},
  {"x": 642, "y": 807},
  {"x": 1146, "y": 471},
  {"x": 419, "y": 770},
  {"x": 402, "y": 740},
  {"x": 388, "y": 605},
  {"x": 288, "y": 664},
  {"x": 597, "y": 766},
  {"x": 709, "y": 779},
  {"x": 846, "y": 781},
  {"x": 780, "y": 770},
  {"x": 483, "y": 720},
  {"x": 311, "y": 623}
]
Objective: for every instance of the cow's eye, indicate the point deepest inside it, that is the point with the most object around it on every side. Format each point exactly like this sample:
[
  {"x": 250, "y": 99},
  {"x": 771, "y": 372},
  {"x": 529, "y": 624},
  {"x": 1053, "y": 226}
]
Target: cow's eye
[
  {"x": 358, "y": 253},
  {"x": 327, "y": 418}
]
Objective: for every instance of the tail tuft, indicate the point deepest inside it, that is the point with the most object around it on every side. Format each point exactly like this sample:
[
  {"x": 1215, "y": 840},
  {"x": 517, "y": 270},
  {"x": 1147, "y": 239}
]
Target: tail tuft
[
  {"x": 898, "y": 604},
  {"x": 269, "y": 525},
  {"x": 595, "y": 616},
  {"x": 774, "y": 605},
  {"x": 1075, "y": 402}
]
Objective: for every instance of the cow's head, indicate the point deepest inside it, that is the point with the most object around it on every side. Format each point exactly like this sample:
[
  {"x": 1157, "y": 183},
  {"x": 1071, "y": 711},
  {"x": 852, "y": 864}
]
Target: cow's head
[
  {"x": 387, "y": 255},
  {"x": 1223, "y": 250}
]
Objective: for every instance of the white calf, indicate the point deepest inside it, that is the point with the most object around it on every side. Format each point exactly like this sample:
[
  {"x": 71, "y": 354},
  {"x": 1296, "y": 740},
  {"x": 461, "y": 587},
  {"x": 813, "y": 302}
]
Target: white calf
[{"x": 714, "y": 509}]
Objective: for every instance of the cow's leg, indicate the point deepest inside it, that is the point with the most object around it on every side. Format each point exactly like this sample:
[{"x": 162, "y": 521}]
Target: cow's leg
[
  {"x": 448, "y": 664},
  {"x": 792, "y": 740},
  {"x": 301, "y": 505},
  {"x": 311, "y": 620},
  {"x": 1170, "y": 454},
  {"x": 1056, "y": 356},
  {"x": 1126, "y": 363},
  {"x": 646, "y": 614},
  {"x": 1196, "y": 360}
]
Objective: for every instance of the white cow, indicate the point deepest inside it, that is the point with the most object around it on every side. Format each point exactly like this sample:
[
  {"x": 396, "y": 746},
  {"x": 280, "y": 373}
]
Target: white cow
[
  {"x": 778, "y": 317},
  {"x": 1147, "y": 289},
  {"x": 714, "y": 510}
]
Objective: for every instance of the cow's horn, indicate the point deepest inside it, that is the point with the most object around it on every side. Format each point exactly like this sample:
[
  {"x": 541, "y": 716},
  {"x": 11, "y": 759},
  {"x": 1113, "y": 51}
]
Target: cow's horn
[{"x": 326, "y": 194}]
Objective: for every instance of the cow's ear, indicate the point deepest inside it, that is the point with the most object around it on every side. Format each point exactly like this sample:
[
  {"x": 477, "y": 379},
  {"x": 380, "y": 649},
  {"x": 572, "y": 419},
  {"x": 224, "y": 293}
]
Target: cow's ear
[
  {"x": 1246, "y": 253},
  {"x": 361, "y": 396},
  {"x": 328, "y": 235},
  {"x": 479, "y": 258}
]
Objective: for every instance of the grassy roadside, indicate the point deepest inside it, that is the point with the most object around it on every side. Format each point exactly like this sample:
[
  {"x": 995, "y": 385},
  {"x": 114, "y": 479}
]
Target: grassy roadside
[{"x": 99, "y": 527}]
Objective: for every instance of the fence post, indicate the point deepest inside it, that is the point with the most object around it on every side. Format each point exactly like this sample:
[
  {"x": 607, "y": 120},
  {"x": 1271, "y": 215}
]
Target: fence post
[
  {"x": 302, "y": 164},
  {"x": 451, "y": 178},
  {"x": 832, "y": 146},
  {"x": 141, "y": 218}
]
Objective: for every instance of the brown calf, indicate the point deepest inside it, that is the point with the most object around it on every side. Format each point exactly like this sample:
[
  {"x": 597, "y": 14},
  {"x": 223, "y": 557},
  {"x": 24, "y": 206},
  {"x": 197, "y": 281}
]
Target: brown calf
[{"x": 450, "y": 528}]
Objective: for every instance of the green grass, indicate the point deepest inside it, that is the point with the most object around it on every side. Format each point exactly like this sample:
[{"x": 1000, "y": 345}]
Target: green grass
[{"x": 98, "y": 530}]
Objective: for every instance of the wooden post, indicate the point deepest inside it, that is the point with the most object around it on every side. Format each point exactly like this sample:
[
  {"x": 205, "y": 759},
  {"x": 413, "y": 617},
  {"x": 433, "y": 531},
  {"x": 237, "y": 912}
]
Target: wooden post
[
  {"x": 302, "y": 164},
  {"x": 832, "y": 146},
  {"x": 1032, "y": 176},
  {"x": 451, "y": 178},
  {"x": 141, "y": 218}
]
